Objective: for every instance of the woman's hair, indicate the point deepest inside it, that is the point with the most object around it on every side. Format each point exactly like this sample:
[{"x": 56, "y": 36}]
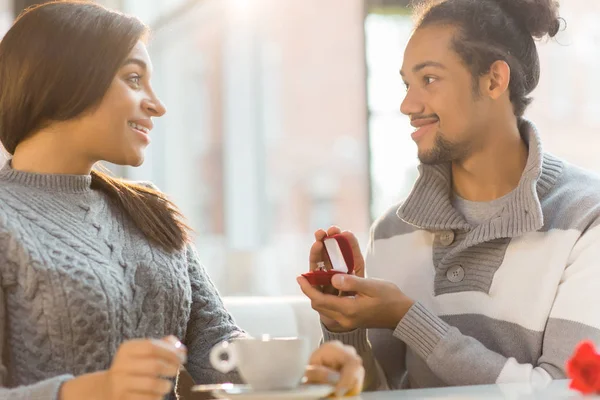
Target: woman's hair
[
  {"x": 57, "y": 62},
  {"x": 492, "y": 30}
]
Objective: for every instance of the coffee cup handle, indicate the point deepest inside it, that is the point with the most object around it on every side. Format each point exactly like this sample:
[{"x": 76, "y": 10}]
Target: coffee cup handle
[{"x": 216, "y": 357}]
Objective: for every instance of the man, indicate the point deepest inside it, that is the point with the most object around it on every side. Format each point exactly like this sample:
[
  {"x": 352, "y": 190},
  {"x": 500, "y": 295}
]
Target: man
[{"x": 491, "y": 267}]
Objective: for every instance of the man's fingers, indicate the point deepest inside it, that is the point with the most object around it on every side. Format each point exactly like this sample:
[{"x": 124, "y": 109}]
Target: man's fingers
[
  {"x": 333, "y": 230},
  {"x": 314, "y": 294},
  {"x": 351, "y": 283},
  {"x": 359, "y": 264},
  {"x": 317, "y": 254},
  {"x": 310, "y": 291},
  {"x": 329, "y": 289},
  {"x": 320, "y": 235},
  {"x": 320, "y": 302}
]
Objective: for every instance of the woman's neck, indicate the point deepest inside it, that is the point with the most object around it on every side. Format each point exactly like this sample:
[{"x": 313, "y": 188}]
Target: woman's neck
[{"x": 50, "y": 152}]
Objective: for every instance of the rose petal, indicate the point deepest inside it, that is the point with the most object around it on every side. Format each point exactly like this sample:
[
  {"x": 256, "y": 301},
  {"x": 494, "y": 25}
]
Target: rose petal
[
  {"x": 584, "y": 369},
  {"x": 581, "y": 386}
]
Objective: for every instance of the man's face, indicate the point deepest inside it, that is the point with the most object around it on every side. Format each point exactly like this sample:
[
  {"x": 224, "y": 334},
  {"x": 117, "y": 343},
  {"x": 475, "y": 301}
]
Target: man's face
[{"x": 440, "y": 99}]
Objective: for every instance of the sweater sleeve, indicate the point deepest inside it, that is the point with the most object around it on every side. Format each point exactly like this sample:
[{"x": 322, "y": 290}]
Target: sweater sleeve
[
  {"x": 375, "y": 378},
  {"x": 44, "y": 390},
  {"x": 209, "y": 324},
  {"x": 461, "y": 360}
]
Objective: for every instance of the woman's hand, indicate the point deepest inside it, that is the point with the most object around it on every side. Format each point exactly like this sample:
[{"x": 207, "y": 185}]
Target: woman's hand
[
  {"x": 142, "y": 369},
  {"x": 339, "y": 365}
]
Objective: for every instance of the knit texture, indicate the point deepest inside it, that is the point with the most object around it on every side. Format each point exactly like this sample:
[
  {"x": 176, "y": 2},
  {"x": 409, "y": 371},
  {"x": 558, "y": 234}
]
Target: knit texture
[
  {"x": 77, "y": 279},
  {"x": 505, "y": 300}
]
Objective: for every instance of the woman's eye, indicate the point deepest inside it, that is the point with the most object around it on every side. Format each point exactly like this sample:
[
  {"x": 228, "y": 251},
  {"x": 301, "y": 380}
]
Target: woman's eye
[
  {"x": 135, "y": 80},
  {"x": 429, "y": 80}
]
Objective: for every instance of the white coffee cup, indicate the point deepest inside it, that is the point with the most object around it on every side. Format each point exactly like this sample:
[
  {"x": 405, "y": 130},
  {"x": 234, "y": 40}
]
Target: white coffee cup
[{"x": 264, "y": 364}]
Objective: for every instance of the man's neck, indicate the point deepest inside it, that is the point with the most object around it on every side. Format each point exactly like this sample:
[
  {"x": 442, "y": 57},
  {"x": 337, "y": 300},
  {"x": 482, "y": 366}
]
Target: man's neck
[{"x": 495, "y": 169}]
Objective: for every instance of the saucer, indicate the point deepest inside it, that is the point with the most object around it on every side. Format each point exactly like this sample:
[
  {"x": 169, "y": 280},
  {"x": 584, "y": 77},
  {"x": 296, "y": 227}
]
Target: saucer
[{"x": 245, "y": 392}]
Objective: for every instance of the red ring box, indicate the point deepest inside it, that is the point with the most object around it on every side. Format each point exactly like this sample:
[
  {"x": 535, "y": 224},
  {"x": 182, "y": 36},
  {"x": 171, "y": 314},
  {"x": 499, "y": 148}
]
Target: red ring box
[{"x": 339, "y": 252}]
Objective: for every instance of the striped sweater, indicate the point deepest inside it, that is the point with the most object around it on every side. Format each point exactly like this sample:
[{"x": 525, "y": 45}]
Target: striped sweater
[{"x": 504, "y": 301}]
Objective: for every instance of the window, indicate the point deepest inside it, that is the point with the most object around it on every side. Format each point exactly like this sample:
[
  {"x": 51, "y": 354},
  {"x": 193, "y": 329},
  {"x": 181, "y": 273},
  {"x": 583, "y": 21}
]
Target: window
[
  {"x": 393, "y": 153},
  {"x": 565, "y": 106},
  {"x": 265, "y": 138}
]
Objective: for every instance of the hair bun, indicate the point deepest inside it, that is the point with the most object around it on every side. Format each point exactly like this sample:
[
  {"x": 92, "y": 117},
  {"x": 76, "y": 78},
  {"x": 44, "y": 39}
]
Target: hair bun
[{"x": 538, "y": 17}]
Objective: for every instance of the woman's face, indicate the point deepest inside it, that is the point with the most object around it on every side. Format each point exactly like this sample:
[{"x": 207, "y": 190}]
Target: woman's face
[{"x": 119, "y": 128}]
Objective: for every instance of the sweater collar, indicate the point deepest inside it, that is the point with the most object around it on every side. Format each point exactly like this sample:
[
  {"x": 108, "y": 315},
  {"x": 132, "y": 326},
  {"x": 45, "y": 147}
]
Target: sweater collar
[
  {"x": 429, "y": 205},
  {"x": 49, "y": 182}
]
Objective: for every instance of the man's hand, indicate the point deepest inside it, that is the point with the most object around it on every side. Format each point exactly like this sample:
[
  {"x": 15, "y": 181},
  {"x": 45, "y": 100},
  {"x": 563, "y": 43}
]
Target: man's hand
[
  {"x": 376, "y": 303},
  {"x": 318, "y": 253}
]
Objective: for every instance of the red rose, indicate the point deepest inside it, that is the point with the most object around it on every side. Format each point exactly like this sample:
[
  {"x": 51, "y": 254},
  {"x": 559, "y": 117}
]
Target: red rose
[{"x": 584, "y": 369}]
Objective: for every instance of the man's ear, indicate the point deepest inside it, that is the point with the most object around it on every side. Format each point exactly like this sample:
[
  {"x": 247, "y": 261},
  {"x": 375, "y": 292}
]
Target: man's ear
[{"x": 496, "y": 81}]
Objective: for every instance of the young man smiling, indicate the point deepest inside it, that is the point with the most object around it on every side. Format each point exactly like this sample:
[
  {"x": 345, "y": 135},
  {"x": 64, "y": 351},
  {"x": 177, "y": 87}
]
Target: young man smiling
[{"x": 489, "y": 269}]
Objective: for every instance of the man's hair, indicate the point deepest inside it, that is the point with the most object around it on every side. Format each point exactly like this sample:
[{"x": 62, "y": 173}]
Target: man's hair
[{"x": 492, "y": 30}]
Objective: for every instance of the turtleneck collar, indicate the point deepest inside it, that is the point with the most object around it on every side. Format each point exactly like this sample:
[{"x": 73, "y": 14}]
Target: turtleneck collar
[{"x": 50, "y": 182}]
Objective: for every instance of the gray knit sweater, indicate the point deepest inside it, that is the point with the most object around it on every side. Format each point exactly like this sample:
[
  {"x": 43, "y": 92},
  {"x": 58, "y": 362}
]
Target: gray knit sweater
[{"x": 77, "y": 279}]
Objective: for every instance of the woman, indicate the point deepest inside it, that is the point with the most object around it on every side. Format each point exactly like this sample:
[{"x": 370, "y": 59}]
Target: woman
[{"x": 94, "y": 271}]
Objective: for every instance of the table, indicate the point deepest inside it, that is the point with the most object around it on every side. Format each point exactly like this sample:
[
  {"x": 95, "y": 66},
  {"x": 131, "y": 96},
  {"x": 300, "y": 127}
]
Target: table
[{"x": 558, "y": 389}]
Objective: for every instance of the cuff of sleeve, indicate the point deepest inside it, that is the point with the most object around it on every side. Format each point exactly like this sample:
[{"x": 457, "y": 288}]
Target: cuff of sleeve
[
  {"x": 356, "y": 338},
  {"x": 421, "y": 330},
  {"x": 48, "y": 389}
]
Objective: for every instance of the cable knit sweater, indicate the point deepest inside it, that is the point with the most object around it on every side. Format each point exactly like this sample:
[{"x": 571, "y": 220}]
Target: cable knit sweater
[{"x": 77, "y": 279}]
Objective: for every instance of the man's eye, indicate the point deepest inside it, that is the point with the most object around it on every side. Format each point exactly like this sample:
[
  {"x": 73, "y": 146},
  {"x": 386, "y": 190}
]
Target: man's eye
[{"x": 429, "y": 80}]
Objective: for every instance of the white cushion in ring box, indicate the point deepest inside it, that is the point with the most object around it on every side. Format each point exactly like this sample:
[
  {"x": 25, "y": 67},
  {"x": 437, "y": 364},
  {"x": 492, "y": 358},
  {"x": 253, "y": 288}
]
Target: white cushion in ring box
[{"x": 335, "y": 255}]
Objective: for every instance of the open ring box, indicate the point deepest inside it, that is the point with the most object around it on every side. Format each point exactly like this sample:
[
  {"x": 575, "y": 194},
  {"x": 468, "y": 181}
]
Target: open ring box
[{"x": 339, "y": 251}]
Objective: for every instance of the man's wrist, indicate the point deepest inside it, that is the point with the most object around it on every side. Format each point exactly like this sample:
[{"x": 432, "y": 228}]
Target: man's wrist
[
  {"x": 401, "y": 310},
  {"x": 333, "y": 326}
]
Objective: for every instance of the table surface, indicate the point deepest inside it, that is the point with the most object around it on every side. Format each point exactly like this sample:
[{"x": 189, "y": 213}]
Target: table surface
[{"x": 558, "y": 389}]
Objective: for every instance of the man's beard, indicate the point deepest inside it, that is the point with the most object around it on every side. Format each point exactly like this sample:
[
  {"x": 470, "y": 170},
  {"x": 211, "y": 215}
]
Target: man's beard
[{"x": 443, "y": 151}]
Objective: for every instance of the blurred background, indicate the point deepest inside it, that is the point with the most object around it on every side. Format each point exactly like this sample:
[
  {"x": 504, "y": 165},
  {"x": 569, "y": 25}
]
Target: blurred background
[{"x": 283, "y": 117}]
